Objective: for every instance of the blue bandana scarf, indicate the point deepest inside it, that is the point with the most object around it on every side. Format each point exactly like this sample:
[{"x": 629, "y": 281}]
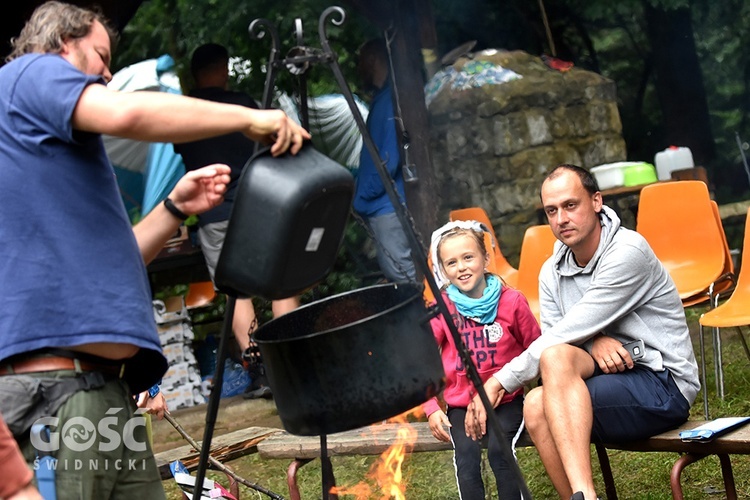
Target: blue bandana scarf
[{"x": 482, "y": 310}]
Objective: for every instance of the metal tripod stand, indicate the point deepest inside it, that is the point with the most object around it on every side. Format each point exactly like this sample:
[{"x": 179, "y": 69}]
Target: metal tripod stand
[{"x": 298, "y": 60}]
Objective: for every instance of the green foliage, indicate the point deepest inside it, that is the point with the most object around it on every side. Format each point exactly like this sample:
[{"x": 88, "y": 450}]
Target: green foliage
[
  {"x": 177, "y": 27},
  {"x": 622, "y": 48}
]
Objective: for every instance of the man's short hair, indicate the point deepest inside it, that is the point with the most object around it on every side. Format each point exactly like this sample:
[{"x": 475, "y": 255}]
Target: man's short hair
[
  {"x": 587, "y": 179},
  {"x": 375, "y": 48},
  {"x": 207, "y": 56}
]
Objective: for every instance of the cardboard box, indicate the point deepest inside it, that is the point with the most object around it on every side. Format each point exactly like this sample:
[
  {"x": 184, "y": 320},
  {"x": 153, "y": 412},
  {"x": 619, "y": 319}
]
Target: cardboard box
[
  {"x": 170, "y": 310},
  {"x": 175, "y": 333},
  {"x": 183, "y": 396},
  {"x": 180, "y": 352},
  {"x": 176, "y": 375}
]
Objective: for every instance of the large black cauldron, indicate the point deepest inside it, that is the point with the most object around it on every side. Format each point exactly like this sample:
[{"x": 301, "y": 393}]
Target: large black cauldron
[{"x": 351, "y": 360}]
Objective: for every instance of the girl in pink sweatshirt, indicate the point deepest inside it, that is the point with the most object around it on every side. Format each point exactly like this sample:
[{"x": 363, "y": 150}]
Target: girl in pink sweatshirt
[{"x": 496, "y": 324}]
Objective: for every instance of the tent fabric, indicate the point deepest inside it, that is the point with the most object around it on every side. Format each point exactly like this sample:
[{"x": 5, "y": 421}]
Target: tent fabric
[
  {"x": 164, "y": 169},
  {"x": 332, "y": 126},
  {"x": 146, "y": 172}
]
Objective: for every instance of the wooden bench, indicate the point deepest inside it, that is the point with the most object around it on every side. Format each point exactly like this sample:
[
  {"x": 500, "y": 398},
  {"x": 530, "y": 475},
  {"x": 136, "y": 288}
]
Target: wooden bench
[
  {"x": 223, "y": 448},
  {"x": 374, "y": 440}
]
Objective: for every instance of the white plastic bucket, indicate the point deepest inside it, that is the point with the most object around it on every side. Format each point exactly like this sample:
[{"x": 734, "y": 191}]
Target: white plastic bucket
[
  {"x": 609, "y": 175},
  {"x": 612, "y": 175},
  {"x": 671, "y": 159}
]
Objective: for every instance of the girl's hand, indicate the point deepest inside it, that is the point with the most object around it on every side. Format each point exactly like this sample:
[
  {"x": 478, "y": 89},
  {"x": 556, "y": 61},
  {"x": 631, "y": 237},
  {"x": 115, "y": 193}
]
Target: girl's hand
[
  {"x": 476, "y": 414},
  {"x": 438, "y": 422}
]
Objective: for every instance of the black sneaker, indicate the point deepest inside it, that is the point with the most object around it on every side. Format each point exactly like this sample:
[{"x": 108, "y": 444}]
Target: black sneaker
[
  {"x": 262, "y": 392},
  {"x": 578, "y": 495}
]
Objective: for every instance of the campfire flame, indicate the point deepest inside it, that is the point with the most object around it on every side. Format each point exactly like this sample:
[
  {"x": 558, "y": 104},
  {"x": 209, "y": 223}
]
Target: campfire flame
[{"x": 385, "y": 472}]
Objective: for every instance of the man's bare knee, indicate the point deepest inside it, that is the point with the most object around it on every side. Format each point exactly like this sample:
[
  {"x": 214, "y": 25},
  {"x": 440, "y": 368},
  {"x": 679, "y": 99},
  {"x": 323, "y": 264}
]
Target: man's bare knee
[
  {"x": 563, "y": 361},
  {"x": 533, "y": 409},
  {"x": 556, "y": 357}
]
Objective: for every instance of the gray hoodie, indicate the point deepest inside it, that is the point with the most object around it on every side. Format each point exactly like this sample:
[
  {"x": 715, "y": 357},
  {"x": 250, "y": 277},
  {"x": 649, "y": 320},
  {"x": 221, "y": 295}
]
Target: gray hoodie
[{"x": 623, "y": 292}]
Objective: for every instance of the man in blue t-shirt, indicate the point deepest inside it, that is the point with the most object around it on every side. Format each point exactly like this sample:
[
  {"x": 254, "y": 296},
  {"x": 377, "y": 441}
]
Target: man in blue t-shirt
[
  {"x": 371, "y": 200},
  {"x": 79, "y": 337}
]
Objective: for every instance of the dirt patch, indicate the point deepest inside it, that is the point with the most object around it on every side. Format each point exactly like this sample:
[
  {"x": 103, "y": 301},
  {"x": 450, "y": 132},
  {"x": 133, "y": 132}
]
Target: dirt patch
[{"x": 234, "y": 413}]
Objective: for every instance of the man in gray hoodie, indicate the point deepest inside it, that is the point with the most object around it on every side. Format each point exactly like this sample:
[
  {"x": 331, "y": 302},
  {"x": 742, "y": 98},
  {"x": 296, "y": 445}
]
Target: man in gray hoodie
[{"x": 602, "y": 288}]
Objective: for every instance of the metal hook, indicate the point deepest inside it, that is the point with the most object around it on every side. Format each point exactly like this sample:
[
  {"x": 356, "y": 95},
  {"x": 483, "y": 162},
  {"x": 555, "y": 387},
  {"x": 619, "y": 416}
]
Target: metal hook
[
  {"x": 257, "y": 29},
  {"x": 336, "y": 22},
  {"x": 298, "y": 31}
]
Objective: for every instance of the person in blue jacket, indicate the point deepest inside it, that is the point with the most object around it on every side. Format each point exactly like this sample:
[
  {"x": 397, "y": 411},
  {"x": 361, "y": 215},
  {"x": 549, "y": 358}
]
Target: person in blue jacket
[{"x": 371, "y": 201}]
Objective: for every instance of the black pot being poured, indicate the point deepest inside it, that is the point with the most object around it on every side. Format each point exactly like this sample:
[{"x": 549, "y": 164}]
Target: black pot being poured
[
  {"x": 351, "y": 360},
  {"x": 287, "y": 222}
]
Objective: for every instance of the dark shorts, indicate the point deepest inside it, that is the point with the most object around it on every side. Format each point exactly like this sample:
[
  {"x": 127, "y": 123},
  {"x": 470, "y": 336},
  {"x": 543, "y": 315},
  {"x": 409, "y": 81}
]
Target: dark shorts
[{"x": 635, "y": 404}]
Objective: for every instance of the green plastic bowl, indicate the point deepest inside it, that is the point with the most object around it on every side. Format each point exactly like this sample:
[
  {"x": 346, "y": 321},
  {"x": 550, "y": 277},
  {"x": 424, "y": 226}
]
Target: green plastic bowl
[{"x": 639, "y": 173}]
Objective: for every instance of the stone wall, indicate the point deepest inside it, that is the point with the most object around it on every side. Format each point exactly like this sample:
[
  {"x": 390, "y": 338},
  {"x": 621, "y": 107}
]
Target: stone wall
[{"x": 492, "y": 145}]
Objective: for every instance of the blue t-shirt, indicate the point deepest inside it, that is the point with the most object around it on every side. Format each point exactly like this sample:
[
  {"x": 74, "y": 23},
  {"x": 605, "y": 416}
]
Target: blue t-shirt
[
  {"x": 370, "y": 197},
  {"x": 70, "y": 267}
]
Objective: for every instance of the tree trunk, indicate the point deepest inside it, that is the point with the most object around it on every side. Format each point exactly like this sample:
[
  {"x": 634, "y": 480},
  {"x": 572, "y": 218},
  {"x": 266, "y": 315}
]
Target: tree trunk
[
  {"x": 409, "y": 74},
  {"x": 413, "y": 28},
  {"x": 679, "y": 81}
]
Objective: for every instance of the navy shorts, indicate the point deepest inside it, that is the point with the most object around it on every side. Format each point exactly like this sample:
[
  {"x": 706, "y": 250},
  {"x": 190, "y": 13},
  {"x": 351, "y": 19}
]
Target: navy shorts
[{"x": 635, "y": 404}]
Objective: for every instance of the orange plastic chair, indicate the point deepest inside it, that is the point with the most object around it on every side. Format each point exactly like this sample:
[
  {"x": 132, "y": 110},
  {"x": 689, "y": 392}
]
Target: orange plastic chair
[
  {"x": 472, "y": 213},
  {"x": 677, "y": 220},
  {"x": 498, "y": 263},
  {"x": 200, "y": 294},
  {"x": 725, "y": 283},
  {"x": 537, "y": 246},
  {"x": 735, "y": 312}
]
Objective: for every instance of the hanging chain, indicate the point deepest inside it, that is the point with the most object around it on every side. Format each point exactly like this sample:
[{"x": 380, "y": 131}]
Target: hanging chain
[{"x": 408, "y": 168}]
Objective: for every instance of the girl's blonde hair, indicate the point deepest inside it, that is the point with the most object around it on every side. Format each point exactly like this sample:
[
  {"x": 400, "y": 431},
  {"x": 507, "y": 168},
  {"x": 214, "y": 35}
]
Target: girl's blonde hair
[{"x": 477, "y": 236}]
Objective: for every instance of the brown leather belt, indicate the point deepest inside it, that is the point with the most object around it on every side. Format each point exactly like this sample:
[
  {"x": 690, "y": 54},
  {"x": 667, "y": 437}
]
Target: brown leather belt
[{"x": 54, "y": 363}]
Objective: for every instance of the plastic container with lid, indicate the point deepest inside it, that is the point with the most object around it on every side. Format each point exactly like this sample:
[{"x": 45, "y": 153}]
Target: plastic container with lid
[
  {"x": 639, "y": 173},
  {"x": 671, "y": 159},
  {"x": 609, "y": 175}
]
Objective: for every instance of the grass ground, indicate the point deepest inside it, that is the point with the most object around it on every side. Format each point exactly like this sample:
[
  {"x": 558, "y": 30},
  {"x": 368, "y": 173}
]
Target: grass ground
[{"x": 637, "y": 475}]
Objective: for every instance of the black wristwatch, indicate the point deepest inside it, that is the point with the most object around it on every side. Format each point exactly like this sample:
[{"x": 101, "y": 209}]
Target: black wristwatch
[{"x": 169, "y": 205}]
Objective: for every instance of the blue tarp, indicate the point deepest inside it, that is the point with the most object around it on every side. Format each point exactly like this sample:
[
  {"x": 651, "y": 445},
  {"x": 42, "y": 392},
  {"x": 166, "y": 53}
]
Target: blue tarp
[{"x": 146, "y": 172}]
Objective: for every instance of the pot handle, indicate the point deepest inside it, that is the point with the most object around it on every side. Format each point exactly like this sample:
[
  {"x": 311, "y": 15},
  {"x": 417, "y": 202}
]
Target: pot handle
[{"x": 432, "y": 312}]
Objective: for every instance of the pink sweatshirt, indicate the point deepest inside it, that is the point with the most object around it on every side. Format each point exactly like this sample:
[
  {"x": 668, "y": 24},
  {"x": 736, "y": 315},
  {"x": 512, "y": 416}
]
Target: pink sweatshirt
[{"x": 491, "y": 346}]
